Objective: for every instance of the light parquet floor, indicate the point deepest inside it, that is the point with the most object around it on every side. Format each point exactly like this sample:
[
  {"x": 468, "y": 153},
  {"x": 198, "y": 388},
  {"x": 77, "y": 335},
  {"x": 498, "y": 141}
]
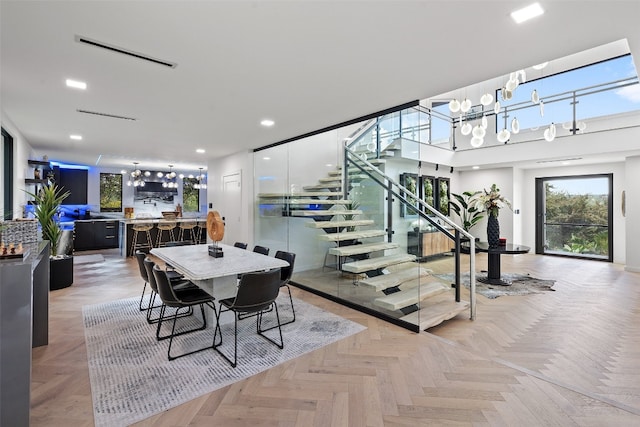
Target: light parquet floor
[{"x": 570, "y": 357}]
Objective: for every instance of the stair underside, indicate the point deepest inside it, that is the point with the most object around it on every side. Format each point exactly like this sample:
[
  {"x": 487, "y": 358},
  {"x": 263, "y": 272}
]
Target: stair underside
[
  {"x": 436, "y": 310},
  {"x": 351, "y": 235},
  {"x": 376, "y": 263},
  {"x": 345, "y": 251},
  {"x": 318, "y": 202},
  {"x": 331, "y": 212},
  {"x": 345, "y": 223},
  {"x": 391, "y": 280},
  {"x": 337, "y": 187},
  {"x": 301, "y": 194},
  {"x": 412, "y": 292}
]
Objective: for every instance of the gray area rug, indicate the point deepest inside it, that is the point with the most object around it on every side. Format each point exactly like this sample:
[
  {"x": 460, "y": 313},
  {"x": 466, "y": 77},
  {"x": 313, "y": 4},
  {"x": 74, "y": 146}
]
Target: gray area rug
[
  {"x": 131, "y": 378},
  {"x": 521, "y": 284}
]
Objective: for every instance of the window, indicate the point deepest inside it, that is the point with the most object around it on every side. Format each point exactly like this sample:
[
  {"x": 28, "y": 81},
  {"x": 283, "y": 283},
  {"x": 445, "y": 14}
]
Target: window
[
  {"x": 190, "y": 195},
  {"x": 574, "y": 216},
  {"x": 110, "y": 192}
]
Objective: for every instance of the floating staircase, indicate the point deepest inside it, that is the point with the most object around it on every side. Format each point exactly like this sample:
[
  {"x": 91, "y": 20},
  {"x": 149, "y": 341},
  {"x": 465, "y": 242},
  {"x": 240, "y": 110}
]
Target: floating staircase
[{"x": 405, "y": 289}]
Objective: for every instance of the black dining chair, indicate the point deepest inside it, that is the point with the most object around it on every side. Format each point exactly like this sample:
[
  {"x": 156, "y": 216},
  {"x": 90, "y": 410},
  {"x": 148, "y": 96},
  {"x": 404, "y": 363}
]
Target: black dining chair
[
  {"x": 285, "y": 277},
  {"x": 177, "y": 284},
  {"x": 256, "y": 295},
  {"x": 261, "y": 249},
  {"x": 240, "y": 245},
  {"x": 187, "y": 298},
  {"x": 173, "y": 276}
]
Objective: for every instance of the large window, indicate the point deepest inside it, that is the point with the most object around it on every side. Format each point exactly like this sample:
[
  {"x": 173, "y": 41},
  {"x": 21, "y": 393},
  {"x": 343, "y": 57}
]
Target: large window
[
  {"x": 190, "y": 195},
  {"x": 110, "y": 192},
  {"x": 574, "y": 216}
]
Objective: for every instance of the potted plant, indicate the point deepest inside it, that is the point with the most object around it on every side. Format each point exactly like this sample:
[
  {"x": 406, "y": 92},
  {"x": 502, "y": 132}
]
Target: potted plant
[
  {"x": 465, "y": 206},
  {"x": 48, "y": 200}
]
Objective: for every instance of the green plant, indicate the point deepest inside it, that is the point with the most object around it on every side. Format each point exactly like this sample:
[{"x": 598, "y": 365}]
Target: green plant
[
  {"x": 465, "y": 206},
  {"x": 48, "y": 200},
  {"x": 351, "y": 217}
]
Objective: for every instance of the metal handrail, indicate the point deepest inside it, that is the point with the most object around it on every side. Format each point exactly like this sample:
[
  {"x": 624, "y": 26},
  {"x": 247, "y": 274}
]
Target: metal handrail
[{"x": 458, "y": 230}]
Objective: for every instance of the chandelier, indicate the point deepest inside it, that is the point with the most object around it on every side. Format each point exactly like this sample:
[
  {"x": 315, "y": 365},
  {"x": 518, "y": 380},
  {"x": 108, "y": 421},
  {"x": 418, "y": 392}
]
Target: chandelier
[
  {"x": 170, "y": 179},
  {"x": 135, "y": 177},
  {"x": 202, "y": 182}
]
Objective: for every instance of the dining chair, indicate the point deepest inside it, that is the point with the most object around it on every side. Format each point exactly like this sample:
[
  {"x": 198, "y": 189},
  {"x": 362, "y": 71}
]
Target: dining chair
[
  {"x": 285, "y": 277},
  {"x": 187, "y": 298},
  {"x": 261, "y": 250},
  {"x": 177, "y": 284},
  {"x": 240, "y": 245},
  {"x": 256, "y": 294}
]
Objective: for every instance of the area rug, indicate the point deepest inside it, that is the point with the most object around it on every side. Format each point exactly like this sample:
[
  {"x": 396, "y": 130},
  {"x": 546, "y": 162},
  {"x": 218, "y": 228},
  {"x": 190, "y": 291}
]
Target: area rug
[
  {"x": 87, "y": 259},
  {"x": 521, "y": 284},
  {"x": 131, "y": 378}
]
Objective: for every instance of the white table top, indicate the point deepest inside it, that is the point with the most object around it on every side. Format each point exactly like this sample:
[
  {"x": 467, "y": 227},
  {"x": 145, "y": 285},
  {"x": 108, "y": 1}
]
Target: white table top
[{"x": 195, "y": 262}]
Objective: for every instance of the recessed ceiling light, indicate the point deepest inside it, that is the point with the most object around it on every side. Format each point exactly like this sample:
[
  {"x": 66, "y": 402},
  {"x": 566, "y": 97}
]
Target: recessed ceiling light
[
  {"x": 267, "y": 122},
  {"x": 526, "y": 13},
  {"x": 76, "y": 84},
  {"x": 266, "y": 158},
  {"x": 540, "y": 66},
  {"x": 76, "y": 137},
  {"x": 475, "y": 167},
  {"x": 200, "y": 150}
]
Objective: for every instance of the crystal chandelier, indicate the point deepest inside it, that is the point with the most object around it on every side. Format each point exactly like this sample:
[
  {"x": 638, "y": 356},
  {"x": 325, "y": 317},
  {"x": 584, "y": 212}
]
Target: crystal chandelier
[
  {"x": 169, "y": 179},
  {"x": 202, "y": 182}
]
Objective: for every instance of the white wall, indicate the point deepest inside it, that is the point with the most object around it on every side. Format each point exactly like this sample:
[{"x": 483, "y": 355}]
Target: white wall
[
  {"x": 240, "y": 162},
  {"x": 632, "y": 202},
  {"x": 22, "y": 151}
]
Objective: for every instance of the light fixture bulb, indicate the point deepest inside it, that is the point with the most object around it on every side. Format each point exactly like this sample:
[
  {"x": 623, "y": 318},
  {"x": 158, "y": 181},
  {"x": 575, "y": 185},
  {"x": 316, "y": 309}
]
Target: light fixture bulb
[
  {"x": 504, "y": 135},
  {"x": 541, "y": 108},
  {"x": 486, "y": 99},
  {"x": 147, "y": 173},
  {"x": 159, "y": 174},
  {"x": 496, "y": 107},
  {"x": 476, "y": 142},
  {"x": 511, "y": 85},
  {"x": 465, "y": 105},
  {"x": 454, "y": 105},
  {"x": 534, "y": 97},
  {"x": 515, "y": 125},
  {"x": 466, "y": 129},
  {"x": 540, "y": 66},
  {"x": 479, "y": 132},
  {"x": 484, "y": 122}
]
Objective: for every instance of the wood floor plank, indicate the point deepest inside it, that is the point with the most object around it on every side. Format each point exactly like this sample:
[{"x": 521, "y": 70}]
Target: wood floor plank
[{"x": 569, "y": 357}]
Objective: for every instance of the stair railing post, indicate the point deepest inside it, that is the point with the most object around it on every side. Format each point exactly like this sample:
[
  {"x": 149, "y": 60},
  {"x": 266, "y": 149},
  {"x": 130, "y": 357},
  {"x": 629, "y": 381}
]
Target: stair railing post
[
  {"x": 389, "y": 212},
  {"x": 457, "y": 265}
]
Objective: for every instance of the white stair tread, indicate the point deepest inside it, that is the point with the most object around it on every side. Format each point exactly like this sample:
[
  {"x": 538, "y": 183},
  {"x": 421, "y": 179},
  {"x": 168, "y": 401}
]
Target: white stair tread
[
  {"x": 350, "y": 235},
  {"x": 394, "y": 279},
  {"x": 330, "y": 179},
  {"x": 362, "y": 249},
  {"x": 319, "y": 202},
  {"x": 332, "y": 212},
  {"x": 374, "y": 162},
  {"x": 374, "y": 263},
  {"x": 412, "y": 294},
  {"x": 432, "y": 313},
  {"x": 345, "y": 223},
  {"x": 301, "y": 194}
]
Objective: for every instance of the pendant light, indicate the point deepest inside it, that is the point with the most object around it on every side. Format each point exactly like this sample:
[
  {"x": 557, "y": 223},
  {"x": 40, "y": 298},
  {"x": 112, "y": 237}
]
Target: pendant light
[
  {"x": 466, "y": 129},
  {"x": 496, "y": 107},
  {"x": 479, "y": 132},
  {"x": 465, "y": 105},
  {"x": 484, "y": 122},
  {"x": 504, "y": 135},
  {"x": 476, "y": 142},
  {"x": 454, "y": 105},
  {"x": 534, "y": 97},
  {"x": 486, "y": 99},
  {"x": 515, "y": 125},
  {"x": 550, "y": 132}
]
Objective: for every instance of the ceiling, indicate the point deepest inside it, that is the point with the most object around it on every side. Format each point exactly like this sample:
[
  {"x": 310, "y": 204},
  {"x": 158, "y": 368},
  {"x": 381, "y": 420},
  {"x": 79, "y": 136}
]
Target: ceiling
[{"x": 306, "y": 65}]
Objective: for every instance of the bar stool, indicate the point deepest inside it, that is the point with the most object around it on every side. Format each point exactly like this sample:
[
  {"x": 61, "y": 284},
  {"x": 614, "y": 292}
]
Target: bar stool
[
  {"x": 168, "y": 226},
  {"x": 188, "y": 226},
  {"x": 201, "y": 225},
  {"x": 141, "y": 227}
]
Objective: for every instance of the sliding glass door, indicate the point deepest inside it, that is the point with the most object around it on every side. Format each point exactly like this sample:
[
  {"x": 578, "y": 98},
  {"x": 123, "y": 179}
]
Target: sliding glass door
[{"x": 574, "y": 216}]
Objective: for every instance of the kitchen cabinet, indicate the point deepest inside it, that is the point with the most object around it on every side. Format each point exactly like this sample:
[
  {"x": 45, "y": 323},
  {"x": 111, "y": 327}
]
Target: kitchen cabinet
[{"x": 97, "y": 234}]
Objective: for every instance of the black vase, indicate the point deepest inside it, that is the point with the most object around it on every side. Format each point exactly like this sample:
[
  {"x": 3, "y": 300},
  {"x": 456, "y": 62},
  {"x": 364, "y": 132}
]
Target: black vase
[{"x": 493, "y": 231}]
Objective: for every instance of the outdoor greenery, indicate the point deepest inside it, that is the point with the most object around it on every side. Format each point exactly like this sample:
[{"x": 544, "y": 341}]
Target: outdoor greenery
[
  {"x": 190, "y": 195},
  {"x": 576, "y": 223},
  {"x": 443, "y": 197},
  {"x": 110, "y": 192},
  {"x": 48, "y": 200}
]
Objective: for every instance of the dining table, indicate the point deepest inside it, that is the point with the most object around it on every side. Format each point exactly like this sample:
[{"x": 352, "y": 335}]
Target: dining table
[{"x": 216, "y": 276}]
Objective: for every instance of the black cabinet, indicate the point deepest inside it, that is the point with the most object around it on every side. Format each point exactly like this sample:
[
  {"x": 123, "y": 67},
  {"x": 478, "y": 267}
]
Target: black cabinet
[{"x": 90, "y": 235}]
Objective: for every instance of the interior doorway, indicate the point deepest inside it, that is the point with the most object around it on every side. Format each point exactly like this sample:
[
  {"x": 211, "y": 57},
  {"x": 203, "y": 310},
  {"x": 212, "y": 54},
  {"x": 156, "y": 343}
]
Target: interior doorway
[
  {"x": 574, "y": 216},
  {"x": 231, "y": 209}
]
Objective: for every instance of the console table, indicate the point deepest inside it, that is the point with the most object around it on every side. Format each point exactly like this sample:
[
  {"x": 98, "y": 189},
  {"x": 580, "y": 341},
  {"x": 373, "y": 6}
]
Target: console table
[{"x": 493, "y": 263}]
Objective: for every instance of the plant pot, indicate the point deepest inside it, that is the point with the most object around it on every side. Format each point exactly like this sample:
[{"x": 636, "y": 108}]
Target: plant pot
[{"x": 60, "y": 272}]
